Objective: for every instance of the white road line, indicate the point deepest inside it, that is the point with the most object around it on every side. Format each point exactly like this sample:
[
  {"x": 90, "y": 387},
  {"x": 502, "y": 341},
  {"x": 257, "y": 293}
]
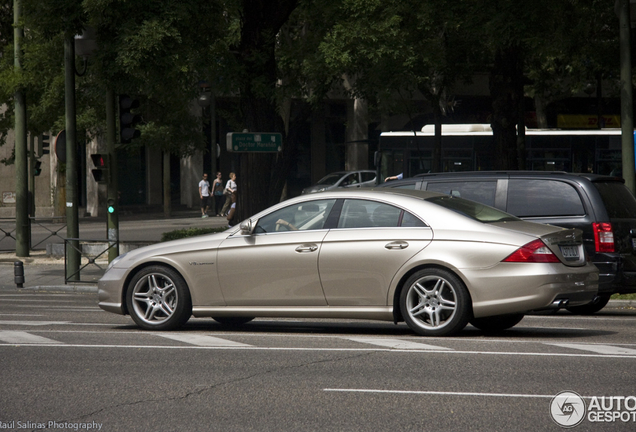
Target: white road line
[
  {"x": 441, "y": 393},
  {"x": 396, "y": 343},
  {"x": 373, "y": 350},
  {"x": 601, "y": 349},
  {"x": 20, "y": 337},
  {"x": 33, "y": 323},
  {"x": 201, "y": 340}
]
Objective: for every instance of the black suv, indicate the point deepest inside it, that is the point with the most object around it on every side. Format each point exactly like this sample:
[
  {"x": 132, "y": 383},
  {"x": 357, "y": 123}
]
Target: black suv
[{"x": 601, "y": 206}]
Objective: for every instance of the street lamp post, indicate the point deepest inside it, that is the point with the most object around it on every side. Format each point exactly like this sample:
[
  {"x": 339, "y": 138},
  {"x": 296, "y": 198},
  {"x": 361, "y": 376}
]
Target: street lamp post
[{"x": 72, "y": 219}]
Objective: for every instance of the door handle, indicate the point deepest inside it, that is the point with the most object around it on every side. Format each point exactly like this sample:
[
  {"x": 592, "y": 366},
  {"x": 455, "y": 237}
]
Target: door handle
[
  {"x": 397, "y": 245},
  {"x": 307, "y": 248}
]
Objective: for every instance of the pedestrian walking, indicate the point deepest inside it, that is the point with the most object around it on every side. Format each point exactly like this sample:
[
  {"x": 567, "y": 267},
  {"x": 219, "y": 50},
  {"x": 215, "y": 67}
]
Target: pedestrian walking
[
  {"x": 231, "y": 214},
  {"x": 230, "y": 188},
  {"x": 217, "y": 193},
  {"x": 204, "y": 194}
]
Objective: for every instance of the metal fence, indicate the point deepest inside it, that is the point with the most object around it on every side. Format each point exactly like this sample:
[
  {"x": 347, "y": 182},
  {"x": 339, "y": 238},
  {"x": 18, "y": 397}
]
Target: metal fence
[
  {"x": 51, "y": 225},
  {"x": 7, "y": 234},
  {"x": 93, "y": 259}
]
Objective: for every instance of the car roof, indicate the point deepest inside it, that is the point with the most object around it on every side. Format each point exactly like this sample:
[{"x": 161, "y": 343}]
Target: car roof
[{"x": 522, "y": 173}]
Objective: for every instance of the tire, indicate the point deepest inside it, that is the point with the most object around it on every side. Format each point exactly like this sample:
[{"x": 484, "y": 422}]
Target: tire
[
  {"x": 158, "y": 299},
  {"x": 493, "y": 324},
  {"x": 435, "y": 302},
  {"x": 233, "y": 321},
  {"x": 592, "y": 307}
]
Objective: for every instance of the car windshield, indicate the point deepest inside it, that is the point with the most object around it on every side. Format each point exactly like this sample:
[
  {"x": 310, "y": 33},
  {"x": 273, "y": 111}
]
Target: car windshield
[
  {"x": 472, "y": 209},
  {"x": 330, "y": 180}
]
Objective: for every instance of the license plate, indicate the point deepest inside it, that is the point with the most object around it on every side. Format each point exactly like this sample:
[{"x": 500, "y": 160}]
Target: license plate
[{"x": 570, "y": 252}]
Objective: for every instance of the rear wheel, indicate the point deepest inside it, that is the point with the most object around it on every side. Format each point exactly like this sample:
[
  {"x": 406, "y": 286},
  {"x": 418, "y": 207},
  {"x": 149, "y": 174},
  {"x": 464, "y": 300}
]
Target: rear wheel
[
  {"x": 496, "y": 323},
  {"x": 435, "y": 302},
  {"x": 233, "y": 320},
  {"x": 158, "y": 299},
  {"x": 599, "y": 303}
]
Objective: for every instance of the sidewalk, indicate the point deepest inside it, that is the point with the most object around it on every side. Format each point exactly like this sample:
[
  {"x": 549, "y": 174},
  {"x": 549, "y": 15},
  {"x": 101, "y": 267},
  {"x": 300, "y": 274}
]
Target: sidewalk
[{"x": 41, "y": 273}]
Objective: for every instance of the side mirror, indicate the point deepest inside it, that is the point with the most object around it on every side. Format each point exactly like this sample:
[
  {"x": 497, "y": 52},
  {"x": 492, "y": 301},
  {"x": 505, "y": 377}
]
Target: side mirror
[{"x": 247, "y": 226}]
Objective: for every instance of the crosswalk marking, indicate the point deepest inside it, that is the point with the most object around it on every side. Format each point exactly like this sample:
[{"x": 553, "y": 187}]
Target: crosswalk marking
[
  {"x": 201, "y": 340},
  {"x": 20, "y": 337},
  {"x": 601, "y": 349},
  {"x": 397, "y": 343}
]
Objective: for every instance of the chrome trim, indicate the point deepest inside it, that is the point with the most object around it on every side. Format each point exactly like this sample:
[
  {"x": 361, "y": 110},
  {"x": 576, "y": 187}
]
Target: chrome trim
[{"x": 384, "y": 313}]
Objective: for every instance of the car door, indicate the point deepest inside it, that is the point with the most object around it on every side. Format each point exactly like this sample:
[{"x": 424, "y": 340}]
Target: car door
[
  {"x": 277, "y": 265},
  {"x": 360, "y": 257}
]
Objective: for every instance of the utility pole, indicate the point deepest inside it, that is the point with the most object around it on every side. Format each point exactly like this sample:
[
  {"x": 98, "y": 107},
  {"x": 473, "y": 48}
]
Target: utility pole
[
  {"x": 112, "y": 200},
  {"x": 627, "y": 106},
  {"x": 21, "y": 159},
  {"x": 72, "y": 222}
]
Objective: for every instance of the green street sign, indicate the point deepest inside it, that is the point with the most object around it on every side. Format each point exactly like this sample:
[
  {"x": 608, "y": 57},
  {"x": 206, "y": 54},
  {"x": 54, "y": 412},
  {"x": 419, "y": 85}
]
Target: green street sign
[{"x": 257, "y": 142}]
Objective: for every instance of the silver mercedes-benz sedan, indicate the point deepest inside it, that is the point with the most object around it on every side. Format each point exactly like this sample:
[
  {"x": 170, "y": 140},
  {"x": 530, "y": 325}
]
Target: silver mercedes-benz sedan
[{"x": 434, "y": 261}]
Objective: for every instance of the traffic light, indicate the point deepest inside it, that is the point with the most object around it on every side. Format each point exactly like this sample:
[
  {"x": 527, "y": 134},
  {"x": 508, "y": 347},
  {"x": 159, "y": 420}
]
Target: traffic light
[
  {"x": 110, "y": 204},
  {"x": 37, "y": 168},
  {"x": 100, "y": 172},
  {"x": 44, "y": 145},
  {"x": 127, "y": 119}
]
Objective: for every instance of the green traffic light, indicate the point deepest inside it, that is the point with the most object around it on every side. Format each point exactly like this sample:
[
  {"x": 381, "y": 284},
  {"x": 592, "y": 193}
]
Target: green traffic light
[{"x": 111, "y": 209}]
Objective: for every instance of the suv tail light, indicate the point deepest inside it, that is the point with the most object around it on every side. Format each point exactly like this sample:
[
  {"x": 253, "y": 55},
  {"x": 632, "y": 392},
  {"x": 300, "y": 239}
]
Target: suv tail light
[
  {"x": 603, "y": 237},
  {"x": 534, "y": 252}
]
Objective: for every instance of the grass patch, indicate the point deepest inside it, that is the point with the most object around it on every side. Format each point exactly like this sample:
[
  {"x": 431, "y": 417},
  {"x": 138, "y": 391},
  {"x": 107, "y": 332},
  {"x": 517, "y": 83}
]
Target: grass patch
[
  {"x": 624, "y": 296},
  {"x": 189, "y": 232}
]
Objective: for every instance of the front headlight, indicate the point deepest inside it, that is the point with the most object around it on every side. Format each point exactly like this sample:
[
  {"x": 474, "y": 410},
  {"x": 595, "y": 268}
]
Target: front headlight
[{"x": 113, "y": 262}]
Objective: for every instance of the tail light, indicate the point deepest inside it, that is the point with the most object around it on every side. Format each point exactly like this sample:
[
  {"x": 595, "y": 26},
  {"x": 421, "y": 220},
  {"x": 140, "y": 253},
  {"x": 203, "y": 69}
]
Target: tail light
[
  {"x": 534, "y": 252},
  {"x": 603, "y": 237}
]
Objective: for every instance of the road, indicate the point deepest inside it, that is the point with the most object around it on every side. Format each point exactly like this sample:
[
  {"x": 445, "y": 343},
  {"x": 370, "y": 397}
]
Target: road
[{"x": 67, "y": 362}]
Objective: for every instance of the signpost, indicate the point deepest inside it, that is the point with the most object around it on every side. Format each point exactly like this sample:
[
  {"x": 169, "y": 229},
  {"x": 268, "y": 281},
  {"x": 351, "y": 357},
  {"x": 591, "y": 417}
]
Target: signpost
[{"x": 254, "y": 142}]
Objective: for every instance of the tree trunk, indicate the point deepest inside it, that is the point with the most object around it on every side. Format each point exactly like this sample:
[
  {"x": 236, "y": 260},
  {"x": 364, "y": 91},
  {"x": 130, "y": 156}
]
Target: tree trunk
[
  {"x": 506, "y": 90},
  {"x": 259, "y": 177}
]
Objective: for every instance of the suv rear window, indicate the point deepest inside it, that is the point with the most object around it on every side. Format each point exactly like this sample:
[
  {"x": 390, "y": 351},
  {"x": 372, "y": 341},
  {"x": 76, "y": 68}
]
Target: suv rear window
[
  {"x": 539, "y": 198},
  {"x": 480, "y": 191},
  {"x": 619, "y": 201}
]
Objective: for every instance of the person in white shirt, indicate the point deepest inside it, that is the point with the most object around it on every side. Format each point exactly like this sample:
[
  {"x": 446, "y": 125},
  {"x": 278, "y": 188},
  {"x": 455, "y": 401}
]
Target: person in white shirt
[
  {"x": 204, "y": 194},
  {"x": 230, "y": 188}
]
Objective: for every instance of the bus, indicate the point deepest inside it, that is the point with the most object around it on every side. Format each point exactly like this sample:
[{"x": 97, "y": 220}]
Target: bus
[{"x": 469, "y": 147}]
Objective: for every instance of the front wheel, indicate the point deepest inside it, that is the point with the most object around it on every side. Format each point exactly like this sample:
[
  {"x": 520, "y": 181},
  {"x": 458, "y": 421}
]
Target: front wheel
[
  {"x": 435, "y": 302},
  {"x": 493, "y": 324},
  {"x": 158, "y": 299}
]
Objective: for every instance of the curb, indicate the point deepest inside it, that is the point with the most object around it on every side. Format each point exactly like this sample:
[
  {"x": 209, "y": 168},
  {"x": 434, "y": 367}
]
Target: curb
[{"x": 85, "y": 289}]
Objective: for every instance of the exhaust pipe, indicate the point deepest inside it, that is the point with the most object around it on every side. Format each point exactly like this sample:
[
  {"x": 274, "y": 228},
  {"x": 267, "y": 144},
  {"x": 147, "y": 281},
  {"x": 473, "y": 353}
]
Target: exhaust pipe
[{"x": 560, "y": 303}]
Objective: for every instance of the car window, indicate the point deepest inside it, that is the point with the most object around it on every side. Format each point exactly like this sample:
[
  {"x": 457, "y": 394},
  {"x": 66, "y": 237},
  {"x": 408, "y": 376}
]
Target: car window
[
  {"x": 618, "y": 200},
  {"x": 298, "y": 217},
  {"x": 364, "y": 214},
  {"x": 351, "y": 179},
  {"x": 367, "y": 176},
  {"x": 528, "y": 198},
  {"x": 480, "y": 191},
  {"x": 472, "y": 209},
  {"x": 405, "y": 186},
  {"x": 329, "y": 180}
]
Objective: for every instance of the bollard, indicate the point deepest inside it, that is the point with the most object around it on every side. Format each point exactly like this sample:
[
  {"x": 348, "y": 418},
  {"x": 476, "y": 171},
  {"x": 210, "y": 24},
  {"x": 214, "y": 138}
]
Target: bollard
[{"x": 18, "y": 273}]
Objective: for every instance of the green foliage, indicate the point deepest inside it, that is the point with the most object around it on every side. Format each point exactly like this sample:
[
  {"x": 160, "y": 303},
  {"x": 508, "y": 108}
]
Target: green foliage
[{"x": 189, "y": 232}]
